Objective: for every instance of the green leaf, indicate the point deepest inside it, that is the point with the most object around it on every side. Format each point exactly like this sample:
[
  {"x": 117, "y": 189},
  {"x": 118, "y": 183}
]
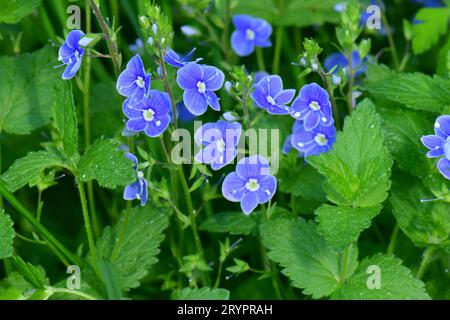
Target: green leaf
[
  {"x": 300, "y": 179},
  {"x": 304, "y": 254},
  {"x": 15, "y": 287},
  {"x": 201, "y": 294},
  {"x": 433, "y": 24},
  {"x": 107, "y": 164},
  {"x": 26, "y": 93},
  {"x": 342, "y": 225},
  {"x": 14, "y": 10},
  {"x": 33, "y": 274},
  {"x": 28, "y": 170},
  {"x": 65, "y": 117},
  {"x": 358, "y": 167},
  {"x": 6, "y": 235},
  {"x": 425, "y": 223},
  {"x": 413, "y": 90},
  {"x": 396, "y": 282},
  {"x": 233, "y": 223},
  {"x": 403, "y": 129},
  {"x": 139, "y": 247}
]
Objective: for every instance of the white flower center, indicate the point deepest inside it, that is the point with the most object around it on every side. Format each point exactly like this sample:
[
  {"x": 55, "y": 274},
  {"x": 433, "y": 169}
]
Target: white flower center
[
  {"x": 321, "y": 139},
  {"x": 447, "y": 149},
  {"x": 314, "y": 105},
  {"x": 220, "y": 145},
  {"x": 249, "y": 34},
  {"x": 271, "y": 100},
  {"x": 140, "y": 175},
  {"x": 201, "y": 87},
  {"x": 252, "y": 185},
  {"x": 149, "y": 115},
  {"x": 140, "y": 82},
  {"x": 77, "y": 54}
]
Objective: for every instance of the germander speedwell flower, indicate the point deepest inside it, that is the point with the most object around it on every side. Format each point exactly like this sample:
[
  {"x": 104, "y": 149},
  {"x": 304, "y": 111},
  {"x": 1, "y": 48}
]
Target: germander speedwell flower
[
  {"x": 313, "y": 142},
  {"x": 139, "y": 188},
  {"x": 176, "y": 60},
  {"x": 269, "y": 95},
  {"x": 71, "y": 53},
  {"x": 313, "y": 107},
  {"x": 250, "y": 32},
  {"x": 151, "y": 115},
  {"x": 439, "y": 144},
  {"x": 133, "y": 82},
  {"x": 251, "y": 184},
  {"x": 199, "y": 83},
  {"x": 219, "y": 141}
]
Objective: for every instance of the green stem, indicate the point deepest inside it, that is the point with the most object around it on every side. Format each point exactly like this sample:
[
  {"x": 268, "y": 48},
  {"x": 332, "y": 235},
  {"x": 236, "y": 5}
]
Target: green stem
[
  {"x": 219, "y": 275},
  {"x": 278, "y": 46},
  {"x": 190, "y": 208},
  {"x": 168, "y": 88},
  {"x": 246, "y": 113},
  {"x": 260, "y": 59},
  {"x": 392, "y": 242},
  {"x": 112, "y": 46},
  {"x": 37, "y": 225},
  {"x": 39, "y": 206},
  {"x": 118, "y": 244},
  {"x": 351, "y": 76},
  {"x": 428, "y": 253},
  {"x": 87, "y": 224},
  {"x": 389, "y": 35},
  {"x": 329, "y": 87},
  {"x": 345, "y": 260},
  {"x": 73, "y": 292}
]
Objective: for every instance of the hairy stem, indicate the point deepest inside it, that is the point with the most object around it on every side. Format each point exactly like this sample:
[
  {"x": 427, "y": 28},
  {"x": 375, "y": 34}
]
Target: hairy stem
[
  {"x": 112, "y": 46},
  {"x": 278, "y": 46},
  {"x": 351, "y": 76},
  {"x": 329, "y": 87},
  {"x": 168, "y": 88},
  {"x": 345, "y": 261},
  {"x": 87, "y": 224},
  {"x": 73, "y": 292},
  {"x": 427, "y": 254},
  {"x": 52, "y": 241},
  {"x": 389, "y": 36}
]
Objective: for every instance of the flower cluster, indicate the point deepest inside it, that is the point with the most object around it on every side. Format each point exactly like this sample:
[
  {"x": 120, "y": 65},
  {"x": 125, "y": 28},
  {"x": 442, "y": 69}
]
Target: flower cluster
[
  {"x": 250, "y": 33},
  {"x": 439, "y": 144}
]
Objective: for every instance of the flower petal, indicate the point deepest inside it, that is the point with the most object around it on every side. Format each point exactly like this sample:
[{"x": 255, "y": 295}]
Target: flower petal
[
  {"x": 136, "y": 124},
  {"x": 432, "y": 142},
  {"x": 156, "y": 127},
  {"x": 213, "y": 78},
  {"x": 195, "y": 102},
  {"x": 233, "y": 187},
  {"x": 249, "y": 202},
  {"x": 285, "y": 96},
  {"x": 252, "y": 167},
  {"x": 189, "y": 75},
  {"x": 267, "y": 188},
  {"x": 240, "y": 44},
  {"x": 72, "y": 69},
  {"x": 132, "y": 191},
  {"x": 212, "y": 100},
  {"x": 243, "y": 21},
  {"x": 311, "y": 120},
  {"x": 444, "y": 167},
  {"x": 442, "y": 126}
]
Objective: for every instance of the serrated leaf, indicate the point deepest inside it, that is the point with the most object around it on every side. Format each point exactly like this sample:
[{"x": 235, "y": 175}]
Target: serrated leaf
[
  {"x": 6, "y": 235},
  {"x": 26, "y": 93},
  {"x": 140, "y": 244},
  {"x": 299, "y": 179},
  {"x": 107, "y": 164},
  {"x": 65, "y": 117},
  {"x": 396, "y": 282},
  {"x": 403, "y": 129},
  {"x": 35, "y": 275},
  {"x": 28, "y": 170},
  {"x": 342, "y": 225},
  {"x": 235, "y": 223},
  {"x": 425, "y": 223},
  {"x": 201, "y": 294},
  {"x": 358, "y": 167},
  {"x": 304, "y": 255},
  {"x": 432, "y": 23},
  {"x": 15, "y": 287},
  {"x": 14, "y": 10},
  {"x": 413, "y": 90}
]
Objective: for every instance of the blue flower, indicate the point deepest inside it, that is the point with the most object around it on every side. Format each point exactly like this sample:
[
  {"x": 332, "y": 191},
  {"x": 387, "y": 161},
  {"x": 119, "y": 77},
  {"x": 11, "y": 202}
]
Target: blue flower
[
  {"x": 251, "y": 184},
  {"x": 151, "y": 115},
  {"x": 259, "y": 75},
  {"x": 219, "y": 141},
  {"x": 314, "y": 142},
  {"x": 133, "y": 82},
  {"x": 313, "y": 107},
  {"x": 71, "y": 54},
  {"x": 439, "y": 144},
  {"x": 287, "y": 145},
  {"x": 139, "y": 188},
  {"x": 341, "y": 61},
  {"x": 269, "y": 95},
  {"x": 183, "y": 113},
  {"x": 199, "y": 83},
  {"x": 250, "y": 32},
  {"x": 178, "y": 61}
]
